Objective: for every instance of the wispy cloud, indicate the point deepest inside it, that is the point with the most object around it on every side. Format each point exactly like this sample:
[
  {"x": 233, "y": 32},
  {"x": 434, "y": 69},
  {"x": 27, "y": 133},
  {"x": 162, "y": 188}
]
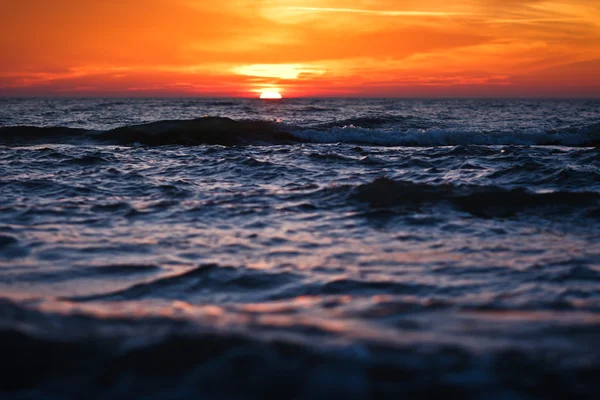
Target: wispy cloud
[
  {"x": 384, "y": 13},
  {"x": 529, "y": 20},
  {"x": 280, "y": 71}
]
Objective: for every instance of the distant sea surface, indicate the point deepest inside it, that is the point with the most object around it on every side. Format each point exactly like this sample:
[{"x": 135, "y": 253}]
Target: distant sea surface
[{"x": 302, "y": 248}]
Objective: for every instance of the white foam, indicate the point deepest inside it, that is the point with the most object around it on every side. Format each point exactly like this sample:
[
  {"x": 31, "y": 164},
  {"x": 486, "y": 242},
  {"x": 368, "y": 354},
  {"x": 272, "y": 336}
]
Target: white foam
[{"x": 588, "y": 136}]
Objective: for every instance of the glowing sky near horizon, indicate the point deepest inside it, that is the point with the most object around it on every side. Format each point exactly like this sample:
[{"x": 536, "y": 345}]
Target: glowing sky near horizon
[{"x": 404, "y": 48}]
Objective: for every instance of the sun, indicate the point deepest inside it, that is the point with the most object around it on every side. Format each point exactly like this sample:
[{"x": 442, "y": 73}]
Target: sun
[{"x": 270, "y": 95}]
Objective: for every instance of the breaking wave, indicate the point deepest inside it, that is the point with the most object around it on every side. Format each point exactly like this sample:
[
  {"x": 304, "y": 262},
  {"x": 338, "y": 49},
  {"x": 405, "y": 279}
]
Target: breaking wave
[
  {"x": 378, "y": 131},
  {"x": 588, "y": 136}
]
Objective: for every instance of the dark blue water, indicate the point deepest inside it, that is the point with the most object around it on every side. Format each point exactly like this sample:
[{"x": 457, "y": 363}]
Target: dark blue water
[{"x": 211, "y": 248}]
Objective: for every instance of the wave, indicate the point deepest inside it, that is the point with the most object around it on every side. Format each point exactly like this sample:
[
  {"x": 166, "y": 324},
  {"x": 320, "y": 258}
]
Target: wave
[
  {"x": 53, "y": 355},
  {"x": 206, "y": 130},
  {"x": 588, "y": 136},
  {"x": 318, "y": 109},
  {"x": 229, "y": 132},
  {"x": 205, "y": 281},
  {"x": 368, "y": 122},
  {"x": 385, "y": 196},
  {"x": 479, "y": 201},
  {"x": 216, "y": 283}
]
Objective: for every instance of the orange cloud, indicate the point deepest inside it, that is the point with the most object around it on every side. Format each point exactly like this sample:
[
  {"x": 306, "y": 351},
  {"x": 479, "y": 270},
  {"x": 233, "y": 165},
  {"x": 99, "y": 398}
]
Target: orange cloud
[{"x": 304, "y": 48}]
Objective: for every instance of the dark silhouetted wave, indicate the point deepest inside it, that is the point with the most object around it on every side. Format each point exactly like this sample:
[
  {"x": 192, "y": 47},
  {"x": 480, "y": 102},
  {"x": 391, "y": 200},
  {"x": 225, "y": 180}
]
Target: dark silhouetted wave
[
  {"x": 481, "y": 201},
  {"x": 70, "y": 357},
  {"x": 207, "y": 130},
  {"x": 229, "y": 132}
]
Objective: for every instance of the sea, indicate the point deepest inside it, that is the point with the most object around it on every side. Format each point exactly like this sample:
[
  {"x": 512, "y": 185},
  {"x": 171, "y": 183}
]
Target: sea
[{"x": 299, "y": 249}]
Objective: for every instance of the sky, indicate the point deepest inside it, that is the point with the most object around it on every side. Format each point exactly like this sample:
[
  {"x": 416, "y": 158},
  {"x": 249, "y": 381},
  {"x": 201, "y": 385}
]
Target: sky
[{"x": 309, "y": 48}]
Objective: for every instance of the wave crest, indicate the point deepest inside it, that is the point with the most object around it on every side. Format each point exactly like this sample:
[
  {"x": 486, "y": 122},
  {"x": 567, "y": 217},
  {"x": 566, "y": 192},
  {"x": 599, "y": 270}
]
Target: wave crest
[
  {"x": 584, "y": 137},
  {"x": 229, "y": 132},
  {"x": 480, "y": 201}
]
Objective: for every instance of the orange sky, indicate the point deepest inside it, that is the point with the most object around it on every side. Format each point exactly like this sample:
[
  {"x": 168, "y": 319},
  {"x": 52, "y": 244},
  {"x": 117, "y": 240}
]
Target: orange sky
[{"x": 397, "y": 48}]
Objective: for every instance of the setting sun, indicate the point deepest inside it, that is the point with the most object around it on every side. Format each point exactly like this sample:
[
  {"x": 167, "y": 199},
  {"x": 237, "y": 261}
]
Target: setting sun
[{"x": 270, "y": 95}]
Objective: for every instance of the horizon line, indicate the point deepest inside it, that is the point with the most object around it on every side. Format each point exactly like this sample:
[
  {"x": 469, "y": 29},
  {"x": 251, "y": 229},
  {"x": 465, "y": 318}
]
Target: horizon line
[{"x": 333, "y": 97}]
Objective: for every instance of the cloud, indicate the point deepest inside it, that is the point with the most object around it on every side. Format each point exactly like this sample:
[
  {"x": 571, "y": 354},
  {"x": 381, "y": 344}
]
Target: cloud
[
  {"x": 279, "y": 71},
  {"x": 383, "y": 13},
  {"x": 311, "y": 46}
]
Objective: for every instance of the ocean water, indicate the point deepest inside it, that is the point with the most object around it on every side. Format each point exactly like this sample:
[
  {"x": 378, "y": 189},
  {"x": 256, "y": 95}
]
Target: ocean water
[{"x": 307, "y": 249}]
